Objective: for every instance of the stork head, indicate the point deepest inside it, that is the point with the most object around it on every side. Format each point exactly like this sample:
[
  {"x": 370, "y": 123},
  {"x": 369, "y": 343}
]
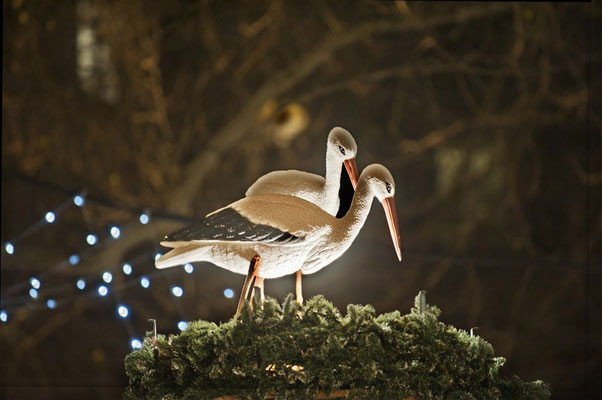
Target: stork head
[
  {"x": 342, "y": 145},
  {"x": 380, "y": 182}
]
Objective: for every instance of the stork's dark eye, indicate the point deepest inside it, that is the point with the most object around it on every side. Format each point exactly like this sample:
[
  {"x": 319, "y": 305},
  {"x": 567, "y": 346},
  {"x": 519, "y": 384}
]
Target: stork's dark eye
[
  {"x": 389, "y": 187},
  {"x": 342, "y": 150}
]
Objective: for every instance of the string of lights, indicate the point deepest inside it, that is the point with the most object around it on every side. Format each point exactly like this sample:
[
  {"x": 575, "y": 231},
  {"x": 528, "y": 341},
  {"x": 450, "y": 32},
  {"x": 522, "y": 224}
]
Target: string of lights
[
  {"x": 102, "y": 201},
  {"x": 42, "y": 297},
  {"x": 81, "y": 283},
  {"x": 48, "y": 218},
  {"x": 102, "y": 290},
  {"x": 92, "y": 239}
]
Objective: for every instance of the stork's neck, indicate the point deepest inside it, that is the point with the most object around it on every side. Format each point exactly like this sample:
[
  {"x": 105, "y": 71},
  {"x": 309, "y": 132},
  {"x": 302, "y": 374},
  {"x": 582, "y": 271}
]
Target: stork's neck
[
  {"x": 333, "y": 176},
  {"x": 359, "y": 210}
]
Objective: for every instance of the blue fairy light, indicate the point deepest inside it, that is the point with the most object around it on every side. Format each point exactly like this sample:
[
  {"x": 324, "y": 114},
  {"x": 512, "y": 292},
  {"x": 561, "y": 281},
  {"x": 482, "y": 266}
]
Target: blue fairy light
[
  {"x": 74, "y": 259},
  {"x": 127, "y": 269},
  {"x": 50, "y": 217},
  {"x": 35, "y": 283},
  {"x": 115, "y": 232},
  {"x": 136, "y": 344},
  {"x": 182, "y": 325},
  {"x": 33, "y": 293},
  {"x": 123, "y": 311},
  {"x": 229, "y": 293},
  {"x": 157, "y": 255},
  {"x": 3, "y": 316},
  {"x": 81, "y": 284},
  {"x": 177, "y": 291},
  {"x": 188, "y": 268},
  {"x": 144, "y": 218},
  {"x": 144, "y": 282},
  {"x": 78, "y": 200},
  {"x": 9, "y": 247},
  {"x": 51, "y": 304},
  {"x": 91, "y": 239},
  {"x": 107, "y": 277},
  {"x": 103, "y": 290}
]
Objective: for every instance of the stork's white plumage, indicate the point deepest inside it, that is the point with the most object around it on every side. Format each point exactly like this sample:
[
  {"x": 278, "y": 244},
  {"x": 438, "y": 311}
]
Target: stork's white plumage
[
  {"x": 285, "y": 232},
  {"x": 322, "y": 191}
]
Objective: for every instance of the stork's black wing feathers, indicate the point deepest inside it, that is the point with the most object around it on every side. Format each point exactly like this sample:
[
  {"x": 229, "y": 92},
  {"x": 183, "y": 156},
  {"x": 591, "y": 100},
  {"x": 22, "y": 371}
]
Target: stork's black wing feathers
[
  {"x": 229, "y": 225},
  {"x": 346, "y": 193}
]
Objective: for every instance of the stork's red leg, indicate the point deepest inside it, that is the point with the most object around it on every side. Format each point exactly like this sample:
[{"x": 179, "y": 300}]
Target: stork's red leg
[
  {"x": 244, "y": 293},
  {"x": 298, "y": 288}
]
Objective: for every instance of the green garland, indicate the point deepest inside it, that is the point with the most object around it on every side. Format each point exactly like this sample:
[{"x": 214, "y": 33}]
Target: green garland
[{"x": 294, "y": 352}]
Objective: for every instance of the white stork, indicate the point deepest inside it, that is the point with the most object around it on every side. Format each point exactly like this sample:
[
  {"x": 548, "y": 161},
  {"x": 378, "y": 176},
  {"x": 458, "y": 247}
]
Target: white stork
[
  {"x": 322, "y": 191},
  {"x": 269, "y": 236}
]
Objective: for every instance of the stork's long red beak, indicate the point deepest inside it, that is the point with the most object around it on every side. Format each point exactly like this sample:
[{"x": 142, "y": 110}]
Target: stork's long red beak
[
  {"x": 391, "y": 213},
  {"x": 352, "y": 171}
]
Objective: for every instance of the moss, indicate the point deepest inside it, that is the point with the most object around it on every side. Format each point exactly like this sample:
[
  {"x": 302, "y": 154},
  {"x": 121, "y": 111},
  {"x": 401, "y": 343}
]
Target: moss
[{"x": 292, "y": 352}]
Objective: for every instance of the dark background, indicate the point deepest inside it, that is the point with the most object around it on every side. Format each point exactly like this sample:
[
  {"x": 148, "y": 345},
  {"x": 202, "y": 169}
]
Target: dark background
[{"x": 482, "y": 111}]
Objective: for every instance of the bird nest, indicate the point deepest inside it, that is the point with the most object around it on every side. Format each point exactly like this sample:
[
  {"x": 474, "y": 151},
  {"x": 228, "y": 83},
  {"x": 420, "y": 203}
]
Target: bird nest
[{"x": 314, "y": 352}]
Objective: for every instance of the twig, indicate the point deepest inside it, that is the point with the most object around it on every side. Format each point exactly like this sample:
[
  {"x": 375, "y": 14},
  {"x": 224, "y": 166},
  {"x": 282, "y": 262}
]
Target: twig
[{"x": 432, "y": 139}]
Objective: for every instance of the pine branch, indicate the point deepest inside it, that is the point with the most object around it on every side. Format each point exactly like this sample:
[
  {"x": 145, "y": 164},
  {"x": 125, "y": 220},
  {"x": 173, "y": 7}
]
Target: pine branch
[{"x": 287, "y": 351}]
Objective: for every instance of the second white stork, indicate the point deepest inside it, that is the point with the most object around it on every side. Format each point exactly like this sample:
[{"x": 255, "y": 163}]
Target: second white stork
[
  {"x": 322, "y": 191},
  {"x": 269, "y": 236}
]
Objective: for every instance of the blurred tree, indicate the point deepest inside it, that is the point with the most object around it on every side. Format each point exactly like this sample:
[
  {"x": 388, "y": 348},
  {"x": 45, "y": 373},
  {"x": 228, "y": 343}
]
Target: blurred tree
[{"x": 481, "y": 110}]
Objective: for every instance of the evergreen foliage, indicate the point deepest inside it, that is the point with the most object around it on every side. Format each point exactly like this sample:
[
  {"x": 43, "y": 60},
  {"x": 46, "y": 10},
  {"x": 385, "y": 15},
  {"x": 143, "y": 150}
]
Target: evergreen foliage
[{"x": 292, "y": 352}]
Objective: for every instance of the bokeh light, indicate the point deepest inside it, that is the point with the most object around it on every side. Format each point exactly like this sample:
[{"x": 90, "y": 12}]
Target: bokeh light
[
  {"x": 9, "y": 247},
  {"x": 50, "y": 217},
  {"x": 107, "y": 277},
  {"x": 123, "y": 311},
  {"x": 78, "y": 200},
  {"x": 127, "y": 269},
  {"x": 115, "y": 232},
  {"x": 103, "y": 290},
  {"x": 91, "y": 239},
  {"x": 177, "y": 291},
  {"x": 35, "y": 283},
  {"x": 144, "y": 219}
]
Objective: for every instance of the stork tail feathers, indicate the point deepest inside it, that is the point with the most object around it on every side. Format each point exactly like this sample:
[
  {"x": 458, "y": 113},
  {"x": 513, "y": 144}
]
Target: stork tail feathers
[{"x": 181, "y": 255}]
